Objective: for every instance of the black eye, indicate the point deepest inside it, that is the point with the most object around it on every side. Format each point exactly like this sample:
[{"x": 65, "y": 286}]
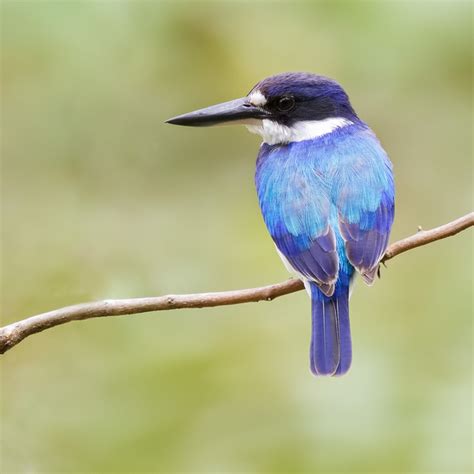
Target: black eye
[{"x": 285, "y": 104}]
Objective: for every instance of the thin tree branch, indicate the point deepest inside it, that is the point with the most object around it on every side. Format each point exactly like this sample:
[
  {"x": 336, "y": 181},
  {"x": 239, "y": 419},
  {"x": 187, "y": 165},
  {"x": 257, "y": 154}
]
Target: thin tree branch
[
  {"x": 14, "y": 333},
  {"x": 424, "y": 237}
]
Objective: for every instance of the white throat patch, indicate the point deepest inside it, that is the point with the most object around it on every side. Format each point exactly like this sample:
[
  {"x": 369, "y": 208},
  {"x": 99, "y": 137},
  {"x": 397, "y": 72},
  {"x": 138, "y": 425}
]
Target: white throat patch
[{"x": 274, "y": 133}]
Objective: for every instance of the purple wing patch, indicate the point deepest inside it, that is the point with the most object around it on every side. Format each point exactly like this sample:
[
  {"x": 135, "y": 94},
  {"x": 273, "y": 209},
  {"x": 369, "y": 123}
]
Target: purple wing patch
[
  {"x": 367, "y": 240},
  {"x": 319, "y": 262}
]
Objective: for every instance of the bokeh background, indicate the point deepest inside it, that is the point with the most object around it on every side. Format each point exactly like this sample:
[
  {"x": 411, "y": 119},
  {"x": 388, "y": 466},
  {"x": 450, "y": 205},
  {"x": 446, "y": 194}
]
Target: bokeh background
[{"x": 101, "y": 199}]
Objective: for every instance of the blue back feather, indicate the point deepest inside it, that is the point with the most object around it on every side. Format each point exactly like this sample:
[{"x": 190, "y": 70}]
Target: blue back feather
[{"x": 339, "y": 184}]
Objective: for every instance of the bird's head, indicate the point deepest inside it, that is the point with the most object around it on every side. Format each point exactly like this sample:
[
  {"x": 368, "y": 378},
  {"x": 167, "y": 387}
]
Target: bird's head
[{"x": 284, "y": 108}]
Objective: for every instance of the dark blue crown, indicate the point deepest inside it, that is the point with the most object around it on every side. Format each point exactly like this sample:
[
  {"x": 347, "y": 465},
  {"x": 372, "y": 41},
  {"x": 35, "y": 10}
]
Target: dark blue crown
[{"x": 316, "y": 97}]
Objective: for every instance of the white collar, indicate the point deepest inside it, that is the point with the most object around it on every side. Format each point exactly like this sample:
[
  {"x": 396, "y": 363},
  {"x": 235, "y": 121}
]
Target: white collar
[{"x": 274, "y": 133}]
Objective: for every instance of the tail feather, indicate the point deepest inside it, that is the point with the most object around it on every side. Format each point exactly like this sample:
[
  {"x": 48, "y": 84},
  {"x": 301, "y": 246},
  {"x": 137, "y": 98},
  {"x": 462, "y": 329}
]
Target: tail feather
[
  {"x": 331, "y": 351},
  {"x": 345, "y": 343}
]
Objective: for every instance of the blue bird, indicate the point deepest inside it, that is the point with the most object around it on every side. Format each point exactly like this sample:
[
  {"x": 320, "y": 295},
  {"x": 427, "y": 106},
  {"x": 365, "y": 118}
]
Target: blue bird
[{"x": 326, "y": 192}]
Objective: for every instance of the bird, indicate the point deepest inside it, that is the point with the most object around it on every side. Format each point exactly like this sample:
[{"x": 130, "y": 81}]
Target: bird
[{"x": 326, "y": 192}]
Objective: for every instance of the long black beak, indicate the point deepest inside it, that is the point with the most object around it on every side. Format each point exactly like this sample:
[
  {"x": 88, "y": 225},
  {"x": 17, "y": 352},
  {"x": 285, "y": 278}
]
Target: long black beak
[{"x": 232, "y": 111}]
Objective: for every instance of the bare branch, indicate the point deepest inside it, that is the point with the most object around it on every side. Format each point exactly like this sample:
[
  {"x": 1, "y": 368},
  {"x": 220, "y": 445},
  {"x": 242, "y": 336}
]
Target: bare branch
[
  {"x": 424, "y": 237},
  {"x": 14, "y": 333}
]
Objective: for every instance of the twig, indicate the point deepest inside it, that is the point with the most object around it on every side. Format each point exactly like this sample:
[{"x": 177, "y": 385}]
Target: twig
[
  {"x": 14, "y": 333},
  {"x": 424, "y": 237}
]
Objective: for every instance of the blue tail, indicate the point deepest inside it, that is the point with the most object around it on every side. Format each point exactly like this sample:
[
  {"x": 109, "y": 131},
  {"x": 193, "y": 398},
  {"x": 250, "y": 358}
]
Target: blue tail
[{"x": 331, "y": 348}]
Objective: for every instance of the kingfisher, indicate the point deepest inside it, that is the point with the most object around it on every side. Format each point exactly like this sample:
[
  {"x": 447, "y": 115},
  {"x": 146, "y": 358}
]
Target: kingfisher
[{"x": 326, "y": 192}]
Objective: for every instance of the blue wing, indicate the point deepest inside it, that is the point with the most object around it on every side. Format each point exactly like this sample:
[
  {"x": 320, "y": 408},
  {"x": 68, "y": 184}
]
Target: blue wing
[
  {"x": 364, "y": 197},
  {"x": 296, "y": 206}
]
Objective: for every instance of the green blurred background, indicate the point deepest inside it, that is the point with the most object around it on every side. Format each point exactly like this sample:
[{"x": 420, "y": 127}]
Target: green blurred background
[{"x": 103, "y": 200}]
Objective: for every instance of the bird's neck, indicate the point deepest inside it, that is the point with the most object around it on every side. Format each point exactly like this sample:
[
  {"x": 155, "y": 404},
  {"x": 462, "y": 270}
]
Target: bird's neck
[{"x": 274, "y": 133}]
